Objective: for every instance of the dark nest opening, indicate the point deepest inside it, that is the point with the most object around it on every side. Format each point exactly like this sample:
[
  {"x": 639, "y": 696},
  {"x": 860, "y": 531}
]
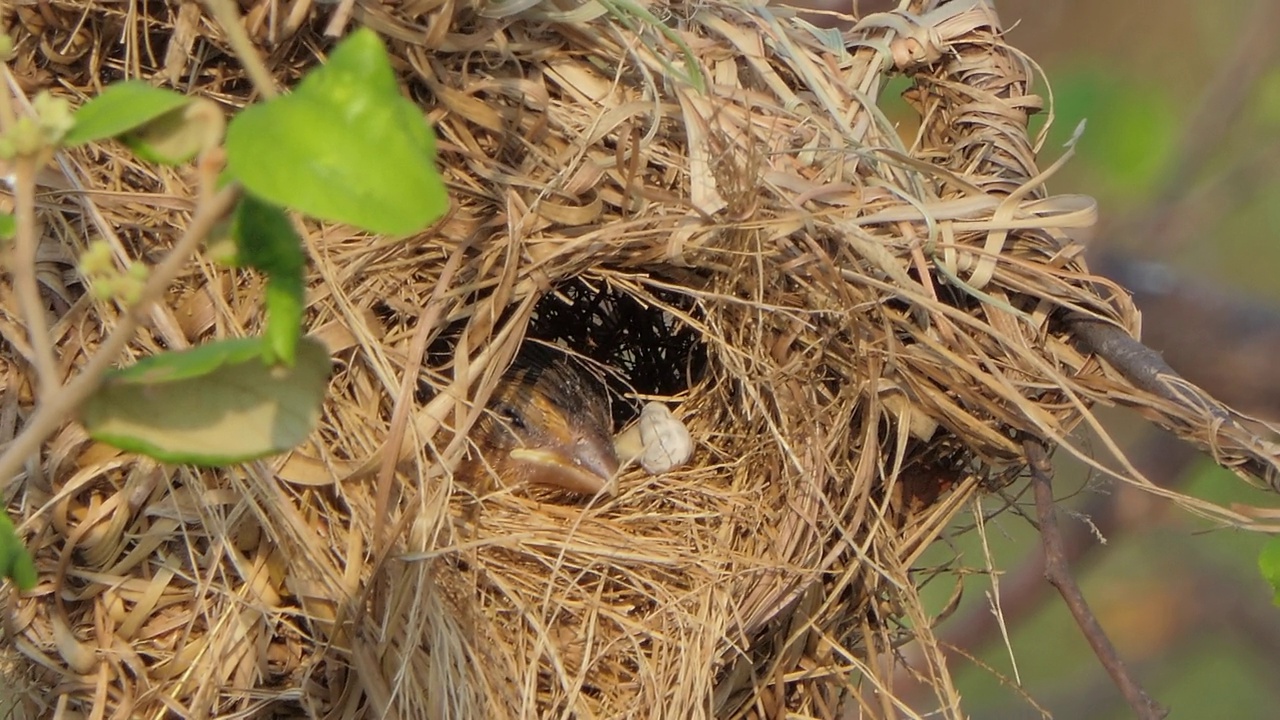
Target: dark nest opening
[
  {"x": 654, "y": 351},
  {"x": 639, "y": 344}
]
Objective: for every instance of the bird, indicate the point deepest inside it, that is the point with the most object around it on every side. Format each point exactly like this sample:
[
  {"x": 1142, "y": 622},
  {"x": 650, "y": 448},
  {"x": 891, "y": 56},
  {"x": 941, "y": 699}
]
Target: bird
[{"x": 548, "y": 422}]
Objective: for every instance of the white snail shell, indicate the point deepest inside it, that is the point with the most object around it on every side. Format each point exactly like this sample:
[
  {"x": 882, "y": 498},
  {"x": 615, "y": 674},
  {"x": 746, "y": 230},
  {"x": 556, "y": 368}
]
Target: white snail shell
[{"x": 659, "y": 440}]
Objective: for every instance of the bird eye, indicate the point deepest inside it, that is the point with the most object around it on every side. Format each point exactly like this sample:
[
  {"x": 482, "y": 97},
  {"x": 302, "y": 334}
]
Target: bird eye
[{"x": 511, "y": 415}]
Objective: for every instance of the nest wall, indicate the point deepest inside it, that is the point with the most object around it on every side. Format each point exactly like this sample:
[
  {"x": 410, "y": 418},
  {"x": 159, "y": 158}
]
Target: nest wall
[{"x": 861, "y": 331}]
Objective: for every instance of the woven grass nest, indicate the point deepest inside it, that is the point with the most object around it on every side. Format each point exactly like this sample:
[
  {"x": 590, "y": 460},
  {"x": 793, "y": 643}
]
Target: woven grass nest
[{"x": 859, "y": 332}]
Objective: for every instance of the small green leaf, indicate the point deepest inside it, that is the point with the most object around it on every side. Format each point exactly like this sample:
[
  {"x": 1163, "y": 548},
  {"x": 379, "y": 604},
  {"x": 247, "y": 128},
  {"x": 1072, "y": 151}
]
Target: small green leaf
[
  {"x": 55, "y": 116},
  {"x": 265, "y": 241},
  {"x": 212, "y": 405},
  {"x": 180, "y": 134},
  {"x": 187, "y": 364},
  {"x": 1269, "y": 564},
  {"x": 24, "y": 137},
  {"x": 15, "y": 561},
  {"x": 345, "y": 146},
  {"x": 284, "y": 300},
  {"x": 120, "y": 108},
  {"x": 8, "y": 226}
]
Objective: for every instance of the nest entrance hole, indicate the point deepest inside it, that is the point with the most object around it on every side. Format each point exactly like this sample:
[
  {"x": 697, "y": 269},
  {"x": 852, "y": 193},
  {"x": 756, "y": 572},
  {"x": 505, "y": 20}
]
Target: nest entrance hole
[
  {"x": 646, "y": 349},
  {"x": 635, "y": 338}
]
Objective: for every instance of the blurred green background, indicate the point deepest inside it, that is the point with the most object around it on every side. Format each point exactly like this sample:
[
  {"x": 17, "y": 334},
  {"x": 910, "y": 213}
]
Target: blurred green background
[{"x": 1182, "y": 151}]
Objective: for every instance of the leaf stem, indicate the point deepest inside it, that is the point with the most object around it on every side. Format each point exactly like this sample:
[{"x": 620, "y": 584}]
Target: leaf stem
[
  {"x": 7, "y": 116},
  {"x": 224, "y": 13}
]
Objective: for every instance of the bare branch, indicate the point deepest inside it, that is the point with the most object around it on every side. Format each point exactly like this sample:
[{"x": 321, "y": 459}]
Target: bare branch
[
  {"x": 1058, "y": 573},
  {"x": 1148, "y": 371}
]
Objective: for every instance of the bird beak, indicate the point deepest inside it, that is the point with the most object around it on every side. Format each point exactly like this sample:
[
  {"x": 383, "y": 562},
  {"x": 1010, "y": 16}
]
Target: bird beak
[
  {"x": 597, "y": 458},
  {"x": 587, "y": 470}
]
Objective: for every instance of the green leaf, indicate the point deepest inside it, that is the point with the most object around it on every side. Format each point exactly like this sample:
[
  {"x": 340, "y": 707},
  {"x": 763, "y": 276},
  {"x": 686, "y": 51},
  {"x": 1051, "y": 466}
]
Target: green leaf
[
  {"x": 180, "y": 134},
  {"x": 285, "y": 304},
  {"x": 265, "y": 238},
  {"x": 345, "y": 146},
  {"x": 1269, "y": 564},
  {"x": 266, "y": 241},
  {"x": 212, "y": 405},
  {"x": 8, "y": 226},
  {"x": 15, "y": 561},
  {"x": 120, "y": 108}
]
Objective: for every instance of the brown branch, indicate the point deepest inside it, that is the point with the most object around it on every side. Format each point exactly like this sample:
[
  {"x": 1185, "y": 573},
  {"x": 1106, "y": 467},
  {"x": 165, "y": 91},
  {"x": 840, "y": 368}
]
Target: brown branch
[
  {"x": 1201, "y": 611},
  {"x": 1148, "y": 371},
  {"x": 1218, "y": 339},
  {"x": 1058, "y": 573},
  {"x": 25, "y": 282},
  {"x": 1137, "y": 362}
]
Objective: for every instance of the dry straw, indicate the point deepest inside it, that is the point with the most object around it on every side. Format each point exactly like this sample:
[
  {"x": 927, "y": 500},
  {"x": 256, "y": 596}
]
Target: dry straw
[{"x": 858, "y": 330}]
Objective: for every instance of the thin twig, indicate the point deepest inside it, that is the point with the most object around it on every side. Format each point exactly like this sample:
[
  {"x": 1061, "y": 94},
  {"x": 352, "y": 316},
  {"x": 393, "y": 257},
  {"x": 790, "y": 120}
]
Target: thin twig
[
  {"x": 225, "y": 14},
  {"x": 1058, "y": 573},
  {"x": 7, "y": 115},
  {"x": 1140, "y": 364},
  {"x": 1216, "y": 336},
  {"x": 53, "y": 411},
  {"x": 25, "y": 283},
  {"x": 1163, "y": 457}
]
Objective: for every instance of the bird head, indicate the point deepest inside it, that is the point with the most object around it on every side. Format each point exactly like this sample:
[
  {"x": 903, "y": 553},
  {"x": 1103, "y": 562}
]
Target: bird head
[{"x": 549, "y": 422}]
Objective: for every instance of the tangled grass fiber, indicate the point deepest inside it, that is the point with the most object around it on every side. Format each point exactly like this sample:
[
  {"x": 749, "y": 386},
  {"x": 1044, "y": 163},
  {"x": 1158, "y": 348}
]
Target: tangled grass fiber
[{"x": 705, "y": 198}]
